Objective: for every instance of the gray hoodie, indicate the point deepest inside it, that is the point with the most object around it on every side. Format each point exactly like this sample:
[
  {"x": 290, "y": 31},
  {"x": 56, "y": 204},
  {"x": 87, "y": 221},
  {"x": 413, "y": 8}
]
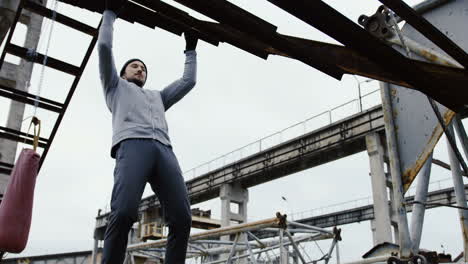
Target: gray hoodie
[{"x": 138, "y": 112}]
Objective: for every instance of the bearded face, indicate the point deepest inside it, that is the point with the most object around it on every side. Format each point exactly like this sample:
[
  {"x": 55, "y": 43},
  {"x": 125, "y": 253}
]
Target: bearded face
[{"x": 135, "y": 72}]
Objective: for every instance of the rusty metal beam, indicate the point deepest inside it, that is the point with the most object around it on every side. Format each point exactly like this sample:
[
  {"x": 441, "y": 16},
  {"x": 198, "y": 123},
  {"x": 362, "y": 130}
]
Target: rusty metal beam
[
  {"x": 428, "y": 30},
  {"x": 228, "y": 14},
  {"x": 5, "y": 168},
  {"x": 30, "y": 99},
  {"x": 350, "y": 34},
  {"x": 39, "y": 58},
  {"x": 259, "y": 38},
  {"x": 278, "y": 222},
  {"x": 352, "y": 62},
  {"x": 18, "y": 136},
  {"x": 225, "y": 12}
]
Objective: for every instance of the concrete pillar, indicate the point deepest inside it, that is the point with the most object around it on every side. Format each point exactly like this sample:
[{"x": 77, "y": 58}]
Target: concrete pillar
[
  {"x": 95, "y": 252},
  {"x": 381, "y": 224},
  {"x": 7, "y": 15},
  {"x": 233, "y": 194},
  {"x": 17, "y": 76}
]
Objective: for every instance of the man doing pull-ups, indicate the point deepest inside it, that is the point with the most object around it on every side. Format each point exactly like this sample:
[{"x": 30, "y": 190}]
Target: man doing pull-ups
[{"x": 141, "y": 145}]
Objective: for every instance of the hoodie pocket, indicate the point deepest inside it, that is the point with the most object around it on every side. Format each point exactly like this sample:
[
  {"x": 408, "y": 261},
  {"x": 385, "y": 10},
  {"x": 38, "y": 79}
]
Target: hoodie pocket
[{"x": 135, "y": 116}]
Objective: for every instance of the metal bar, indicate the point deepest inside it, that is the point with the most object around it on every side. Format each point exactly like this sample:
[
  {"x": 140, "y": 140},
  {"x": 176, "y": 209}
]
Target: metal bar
[
  {"x": 355, "y": 37},
  {"x": 198, "y": 248},
  {"x": 65, "y": 20},
  {"x": 371, "y": 260},
  {"x": 7, "y": 165},
  {"x": 12, "y": 30},
  {"x": 214, "y": 242},
  {"x": 461, "y": 132},
  {"x": 301, "y": 230},
  {"x": 460, "y": 195},
  {"x": 29, "y": 101},
  {"x": 69, "y": 97},
  {"x": 425, "y": 52},
  {"x": 395, "y": 170},
  {"x": 298, "y": 252},
  {"x": 330, "y": 251},
  {"x": 252, "y": 258},
  {"x": 428, "y": 30},
  {"x": 229, "y": 14},
  {"x": 318, "y": 229},
  {"x": 233, "y": 249},
  {"x": 444, "y": 165},
  {"x": 28, "y": 95},
  {"x": 22, "y": 134},
  {"x": 417, "y": 218},
  {"x": 20, "y": 139},
  {"x": 352, "y": 62},
  {"x": 260, "y": 243},
  {"x": 223, "y": 231},
  {"x": 283, "y": 252},
  {"x": 337, "y": 253},
  {"x": 226, "y": 12},
  {"x": 4, "y": 171},
  {"x": 39, "y": 58},
  {"x": 183, "y": 20}
]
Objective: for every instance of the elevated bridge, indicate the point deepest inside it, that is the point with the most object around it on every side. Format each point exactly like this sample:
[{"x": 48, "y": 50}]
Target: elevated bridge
[{"x": 337, "y": 140}]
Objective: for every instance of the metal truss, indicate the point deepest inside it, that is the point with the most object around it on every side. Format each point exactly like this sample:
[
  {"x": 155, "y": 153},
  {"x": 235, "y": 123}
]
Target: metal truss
[
  {"x": 214, "y": 246},
  {"x": 363, "y": 53}
]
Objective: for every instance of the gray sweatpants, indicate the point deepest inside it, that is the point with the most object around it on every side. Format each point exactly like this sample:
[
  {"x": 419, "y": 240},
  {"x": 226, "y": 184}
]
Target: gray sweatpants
[{"x": 139, "y": 161}]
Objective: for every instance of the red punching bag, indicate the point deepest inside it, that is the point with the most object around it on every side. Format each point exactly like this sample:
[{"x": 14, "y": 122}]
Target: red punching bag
[{"x": 17, "y": 203}]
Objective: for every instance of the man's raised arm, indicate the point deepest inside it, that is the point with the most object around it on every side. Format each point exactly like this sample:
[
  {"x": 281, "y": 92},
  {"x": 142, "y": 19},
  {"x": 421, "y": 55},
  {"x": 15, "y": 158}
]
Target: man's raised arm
[
  {"x": 107, "y": 71},
  {"x": 178, "y": 89}
]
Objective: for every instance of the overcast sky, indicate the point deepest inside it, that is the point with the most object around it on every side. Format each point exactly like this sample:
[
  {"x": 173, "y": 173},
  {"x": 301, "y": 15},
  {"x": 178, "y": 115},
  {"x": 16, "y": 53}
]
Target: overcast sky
[{"x": 238, "y": 99}]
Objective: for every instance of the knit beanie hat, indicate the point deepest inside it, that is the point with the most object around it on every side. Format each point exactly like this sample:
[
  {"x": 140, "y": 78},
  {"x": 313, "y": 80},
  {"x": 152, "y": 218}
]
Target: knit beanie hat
[{"x": 122, "y": 71}]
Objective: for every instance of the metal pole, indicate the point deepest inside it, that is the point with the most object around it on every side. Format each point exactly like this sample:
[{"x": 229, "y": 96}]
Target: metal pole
[
  {"x": 283, "y": 252},
  {"x": 223, "y": 231},
  {"x": 419, "y": 208},
  {"x": 331, "y": 250},
  {"x": 318, "y": 229},
  {"x": 461, "y": 132},
  {"x": 337, "y": 253},
  {"x": 252, "y": 258},
  {"x": 214, "y": 242},
  {"x": 395, "y": 168},
  {"x": 295, "y": 247},
  {"x": 460, "y": 195},
  {"x": 260, "y": 243},
  {"x": 233, "y": 250},
  {"x": 370, "y": 260}
]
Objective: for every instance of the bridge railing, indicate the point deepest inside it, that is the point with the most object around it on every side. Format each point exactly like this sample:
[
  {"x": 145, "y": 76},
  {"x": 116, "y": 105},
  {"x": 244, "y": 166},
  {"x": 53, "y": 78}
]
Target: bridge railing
[
  {"x": 325, "y": 118},
  {"x": 366, "y": 201}
]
